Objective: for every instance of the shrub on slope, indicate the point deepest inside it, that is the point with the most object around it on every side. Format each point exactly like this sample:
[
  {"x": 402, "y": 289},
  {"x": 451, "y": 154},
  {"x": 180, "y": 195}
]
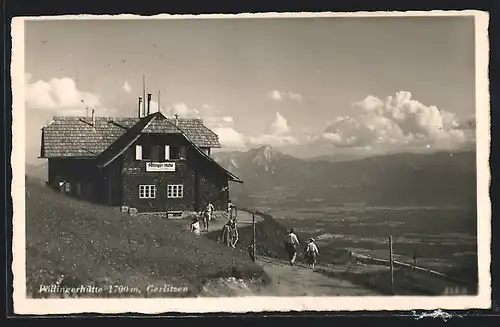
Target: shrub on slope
[{"x": 97, "y": 245}]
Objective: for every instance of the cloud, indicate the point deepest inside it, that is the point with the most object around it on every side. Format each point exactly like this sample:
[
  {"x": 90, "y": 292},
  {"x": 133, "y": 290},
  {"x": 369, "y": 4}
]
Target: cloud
[
  {"x": 229, "y": 138},
  {"x": 227, "y": 119},
  {"x": 276, "y": 95},
  {"x": 273, "y": 140},
  {"x": 55, "y": 97},
  {"x": 277, "y": 133},
  {"x": 207, "y": 106},
  {"x": 279, "y": 126},
  {"x": 281, "y": 96},
  {"x": 126, "y": 87},
  {"x": 59, "y": 95},
  {"x": 397, "y": 121}
]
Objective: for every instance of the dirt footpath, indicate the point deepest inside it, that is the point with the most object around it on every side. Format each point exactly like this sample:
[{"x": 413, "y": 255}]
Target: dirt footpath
[
  {"x": 244, "y": 219},
  {"x": 301, "y": 281},
  {"x": 286, "y": 281}
]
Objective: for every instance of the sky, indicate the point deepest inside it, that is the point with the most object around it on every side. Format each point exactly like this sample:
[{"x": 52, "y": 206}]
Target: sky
[{"x": 305, "y": 86}]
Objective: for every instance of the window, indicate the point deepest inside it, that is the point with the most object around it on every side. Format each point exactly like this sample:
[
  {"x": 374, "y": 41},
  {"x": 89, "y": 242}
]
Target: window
[
  {"x": 175, "y": 191},
  {"x": 67, "y": 187},
  {"x": 156, "y": 152},
  {"x": 147, "y": 191},
  {"x": 147, "y": 152},
  {"x": 177, "y": 152}
]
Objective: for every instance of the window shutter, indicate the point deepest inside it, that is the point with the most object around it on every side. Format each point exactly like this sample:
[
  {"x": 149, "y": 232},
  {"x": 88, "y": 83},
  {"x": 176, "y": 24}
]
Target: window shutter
[
  {"x": 167, "y": 152},
  {"x": 138, "y": 152}
]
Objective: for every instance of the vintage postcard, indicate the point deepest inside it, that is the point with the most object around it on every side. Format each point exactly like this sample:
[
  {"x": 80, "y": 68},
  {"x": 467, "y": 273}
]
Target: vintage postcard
[{"x": 300, "y": 161}]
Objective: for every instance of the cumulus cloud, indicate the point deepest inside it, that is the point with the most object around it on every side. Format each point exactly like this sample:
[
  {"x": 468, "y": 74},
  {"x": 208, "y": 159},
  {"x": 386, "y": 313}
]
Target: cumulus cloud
[
  {"x": 281, "y": 96},
  {"x": 279, "y": 126},
  {"x": 277, "y": 133},
  {"x": 59, "y": 95},
  {"x": 398, "y": 120},
  {"x": 126, "y": 87},
  {"x": 229, "y": 138}
]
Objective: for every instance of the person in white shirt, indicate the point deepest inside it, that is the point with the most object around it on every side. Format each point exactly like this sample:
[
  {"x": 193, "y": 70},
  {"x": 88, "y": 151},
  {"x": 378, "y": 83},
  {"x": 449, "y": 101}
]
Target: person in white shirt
[
  {"x": 195, "y": 226},
  {"x": 311, "y": 253},
  {"x": 230, "y": 209},
  {"x": 207, "y": 215},
  {"x": 291, "y": 243}
]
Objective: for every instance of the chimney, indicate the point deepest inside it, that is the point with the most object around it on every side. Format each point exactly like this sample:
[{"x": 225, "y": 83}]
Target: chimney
[
  {"x": 149, "y": 102},
  {"x": 176, "y": 119},
  {"x": 93, "y": 118},
  {"x": 139, "y": 110}
]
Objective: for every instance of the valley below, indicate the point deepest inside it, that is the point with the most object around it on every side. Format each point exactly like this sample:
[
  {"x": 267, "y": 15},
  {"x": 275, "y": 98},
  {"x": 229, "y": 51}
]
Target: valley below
[{"x": 426, "y": 202}]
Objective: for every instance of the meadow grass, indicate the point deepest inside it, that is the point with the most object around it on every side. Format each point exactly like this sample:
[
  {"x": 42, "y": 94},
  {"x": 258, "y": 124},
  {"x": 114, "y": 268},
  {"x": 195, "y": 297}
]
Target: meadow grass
[{"x": 78, "y": 243}]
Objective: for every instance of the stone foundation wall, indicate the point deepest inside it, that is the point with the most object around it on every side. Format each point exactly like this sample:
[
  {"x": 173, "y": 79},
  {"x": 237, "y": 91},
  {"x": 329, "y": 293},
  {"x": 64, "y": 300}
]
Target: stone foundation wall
[{"x": 216, "y": 215}]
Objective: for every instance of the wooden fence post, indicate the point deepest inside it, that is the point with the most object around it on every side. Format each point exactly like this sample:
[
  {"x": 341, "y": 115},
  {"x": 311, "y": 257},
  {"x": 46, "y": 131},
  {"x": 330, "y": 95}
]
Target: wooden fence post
[
  {"x": 254, "y": 237},
  {"x": 391, "y": 266}
]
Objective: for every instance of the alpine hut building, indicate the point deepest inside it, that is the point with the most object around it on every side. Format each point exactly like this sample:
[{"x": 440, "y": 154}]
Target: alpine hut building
[{"x": 152, "y": 164}]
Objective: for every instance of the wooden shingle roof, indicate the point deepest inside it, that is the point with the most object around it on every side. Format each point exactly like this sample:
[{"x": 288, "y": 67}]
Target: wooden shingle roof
[{"x": 76, "y": 137}]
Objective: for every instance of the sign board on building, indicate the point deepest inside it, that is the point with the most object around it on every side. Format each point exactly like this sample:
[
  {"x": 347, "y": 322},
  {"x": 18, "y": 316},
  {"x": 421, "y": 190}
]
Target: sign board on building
[{"x": 160, "y": 166}]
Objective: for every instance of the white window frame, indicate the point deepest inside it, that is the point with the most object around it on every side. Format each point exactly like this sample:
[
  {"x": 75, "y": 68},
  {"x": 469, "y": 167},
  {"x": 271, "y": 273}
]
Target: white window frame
[
  {"x": 175, "y": 191},
  {"x": 147, "y": 191},
  {"x": 138, "y": 152},
  {"x": 167, "y": 152}
]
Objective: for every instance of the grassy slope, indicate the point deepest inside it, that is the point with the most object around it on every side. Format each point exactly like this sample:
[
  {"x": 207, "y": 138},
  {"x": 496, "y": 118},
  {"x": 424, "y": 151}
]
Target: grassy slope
[
  {"x": 269, "y": 238},
  {"x": 94, "y": 245}
]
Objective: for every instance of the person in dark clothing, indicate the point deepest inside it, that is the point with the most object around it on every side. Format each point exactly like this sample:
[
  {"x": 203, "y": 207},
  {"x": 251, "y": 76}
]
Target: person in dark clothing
[{"x": 311, "y": 252}]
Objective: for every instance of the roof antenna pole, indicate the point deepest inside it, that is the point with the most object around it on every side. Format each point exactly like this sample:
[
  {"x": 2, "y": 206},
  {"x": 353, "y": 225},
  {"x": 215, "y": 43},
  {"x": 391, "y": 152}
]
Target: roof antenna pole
[
  {"x": 144, "y": 95},
  {"x": 159, "y": 101},
  {"x": 139, "y": 108}
]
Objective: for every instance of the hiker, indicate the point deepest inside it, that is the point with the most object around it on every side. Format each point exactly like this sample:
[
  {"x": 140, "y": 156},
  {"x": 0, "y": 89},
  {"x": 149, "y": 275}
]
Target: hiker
[
  {"x": 311, "y": 252},
  {"x": 250, "y": 252},
  {"x": 291, "y": 243},
  {"x": 229, "y": 234},
  {"x": 234, "y": 234},
  {"x": 209, "y": 210},
  {"x": 195, "y": 226},
  {"x": 226, "y": 233},
  {"x": 230, "y": 207},
  {"x": 207, "y": 215}
]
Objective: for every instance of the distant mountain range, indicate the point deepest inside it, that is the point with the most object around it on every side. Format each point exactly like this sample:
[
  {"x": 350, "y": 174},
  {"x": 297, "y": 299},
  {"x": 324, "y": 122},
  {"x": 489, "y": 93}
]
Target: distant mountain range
[
  {"x": 404, "y": 179},
  {"x": 441, "y": 178}
]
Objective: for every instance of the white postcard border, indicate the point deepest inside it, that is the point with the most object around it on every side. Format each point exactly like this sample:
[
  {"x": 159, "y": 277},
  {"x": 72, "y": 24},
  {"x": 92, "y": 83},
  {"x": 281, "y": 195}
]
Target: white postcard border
[{"x": 24, "y": 305}]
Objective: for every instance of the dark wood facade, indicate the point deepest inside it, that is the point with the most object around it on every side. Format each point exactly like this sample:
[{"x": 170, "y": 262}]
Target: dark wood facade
[
  {"x": 201, "y": 180},
  {"x": 124, "y": 180}
]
